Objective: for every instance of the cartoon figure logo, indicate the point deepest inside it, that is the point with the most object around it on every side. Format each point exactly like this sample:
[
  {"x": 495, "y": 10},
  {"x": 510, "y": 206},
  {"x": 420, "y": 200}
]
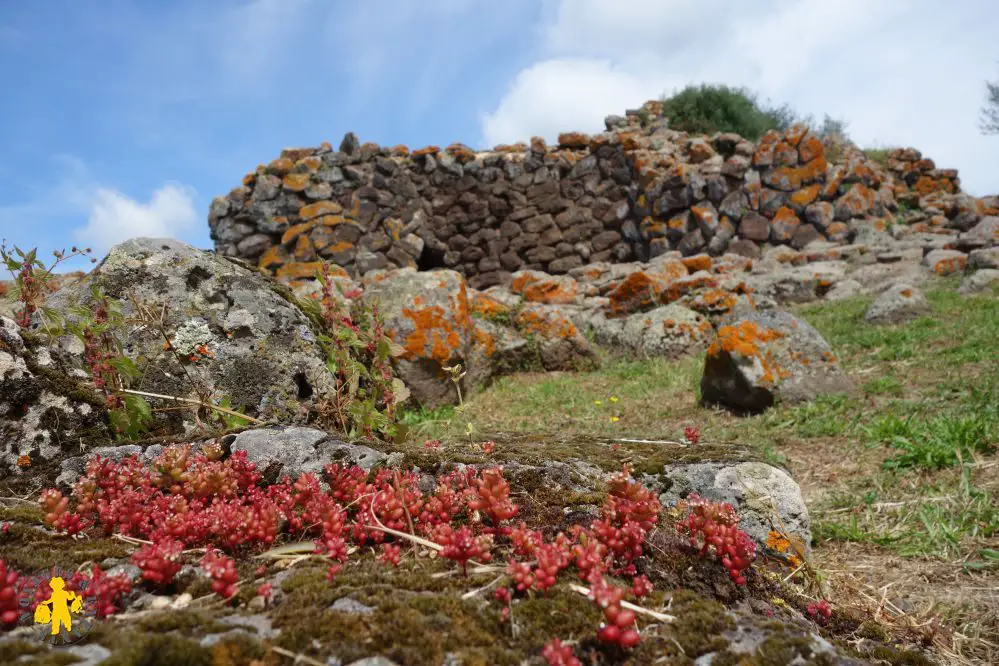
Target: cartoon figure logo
[
  {"x": 58, "y": 607},
  {"x": 62, "y": 617}
]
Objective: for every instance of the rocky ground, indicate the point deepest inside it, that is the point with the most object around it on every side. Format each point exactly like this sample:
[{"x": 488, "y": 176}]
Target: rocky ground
[{"x": 841, "y": 397}]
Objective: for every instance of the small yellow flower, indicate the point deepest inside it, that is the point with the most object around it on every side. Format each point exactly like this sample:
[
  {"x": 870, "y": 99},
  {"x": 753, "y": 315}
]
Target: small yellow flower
[
  {"x": 614, "y": 419},
  {"x": 598, "y": 402},
  {"x": 613, "y": 398}
]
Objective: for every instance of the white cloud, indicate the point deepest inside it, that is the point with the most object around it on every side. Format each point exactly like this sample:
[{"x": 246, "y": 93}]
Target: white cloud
[
  {"x": 115, "y": 217},
  {"x": 900, "y": 72},
  {"x": 558, "y": 96}
]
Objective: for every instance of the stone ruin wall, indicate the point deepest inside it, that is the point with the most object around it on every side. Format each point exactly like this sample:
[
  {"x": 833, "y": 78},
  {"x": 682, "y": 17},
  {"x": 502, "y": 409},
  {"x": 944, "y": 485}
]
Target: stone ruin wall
[{"x": 630, "y": 193}]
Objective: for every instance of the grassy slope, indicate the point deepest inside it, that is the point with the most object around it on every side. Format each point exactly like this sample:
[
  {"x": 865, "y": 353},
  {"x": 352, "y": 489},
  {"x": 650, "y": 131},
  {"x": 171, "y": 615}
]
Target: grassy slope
[{"x": 901, "y": 477}]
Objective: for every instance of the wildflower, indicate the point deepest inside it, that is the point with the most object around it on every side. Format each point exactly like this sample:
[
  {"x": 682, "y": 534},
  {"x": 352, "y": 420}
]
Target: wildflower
[
  {"x": 613, "y": 398},
  {"x": 598, "y": 402},
  {"x": 692, "y": 435},
  {"x": 614, "y": 419}
]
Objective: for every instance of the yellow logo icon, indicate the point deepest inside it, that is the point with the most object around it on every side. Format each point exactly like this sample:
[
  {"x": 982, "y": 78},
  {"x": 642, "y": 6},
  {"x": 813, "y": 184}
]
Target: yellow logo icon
[{"x": 60, "y": 607}]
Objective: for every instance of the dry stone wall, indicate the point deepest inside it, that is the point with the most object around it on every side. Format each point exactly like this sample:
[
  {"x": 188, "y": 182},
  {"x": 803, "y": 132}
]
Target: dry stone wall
[{"x": 633, "y": 192}]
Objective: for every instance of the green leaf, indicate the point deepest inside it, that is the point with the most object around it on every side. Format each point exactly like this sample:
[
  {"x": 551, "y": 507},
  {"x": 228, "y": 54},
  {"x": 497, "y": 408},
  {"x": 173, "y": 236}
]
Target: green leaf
[
  {"x": 400, "y": 390},
  {"x": 125, "y": 366}
]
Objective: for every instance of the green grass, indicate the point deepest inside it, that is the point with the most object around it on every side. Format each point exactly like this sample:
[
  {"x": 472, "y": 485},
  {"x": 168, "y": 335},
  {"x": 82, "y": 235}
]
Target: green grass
[
  {"x": 886, "y": 385},
  {"x": 905, "y": 465},
  {"x": 927, "y": 407},
  {"x": 927, "y": 516},
  {"x": 879, "y": 155}
]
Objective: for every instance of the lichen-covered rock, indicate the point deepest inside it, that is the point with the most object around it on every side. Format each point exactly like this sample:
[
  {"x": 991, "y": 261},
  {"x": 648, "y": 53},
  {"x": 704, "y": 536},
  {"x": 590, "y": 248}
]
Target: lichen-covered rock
[
  {"x": 945, "y": 262},
  {"x": 983, "y": 258},
  {"x": 752, "y": 640},
  {"x": 769, "y": 356},
  {"x": 765, "y": 497},
  {"x": 537, "y": 287},
  {"x": 898, "y": 303},
  {"x": 979, "y": 281},
  {"x": 45, "y": 409},
  {"x": 427, "y": 313},
  {"x": 496, "y": 350},
  {"x": 669, "y": 331},
  {"x": 559, "y": 343},
  {"x": 643, "y": 289},
  {"x": 232, "y": 333},
  {"x": 293, "y": 451},
  {"x": 983, "y": 234}
]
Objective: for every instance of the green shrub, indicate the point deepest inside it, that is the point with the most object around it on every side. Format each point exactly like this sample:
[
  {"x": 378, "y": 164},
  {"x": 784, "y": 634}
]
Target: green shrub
[
  {"x": 706, "y": 109},
  {"x": 879, "y": 155}
]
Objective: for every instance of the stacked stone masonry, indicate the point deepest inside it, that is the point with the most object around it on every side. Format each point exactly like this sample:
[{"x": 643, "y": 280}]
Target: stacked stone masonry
[{"x": 633, "y": 192}]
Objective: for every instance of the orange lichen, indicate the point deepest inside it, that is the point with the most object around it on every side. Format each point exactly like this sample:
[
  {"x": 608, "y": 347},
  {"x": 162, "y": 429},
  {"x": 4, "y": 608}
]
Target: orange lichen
[
  {"x": 331, "y": 220},
  {"x": 295, "y": 231},
  {"x": 573, "y": 140},
  {"x": 698, "y": 262},
  {"x": 272, "y": 258},
  {"x": 487, "y": 306},
  {"x": 745, "y": 339},
  {"x": 308, "y": 164},
  {"x": 714, "y": 301},
  {"x": 546, "y": 324},
  {"x": 638, "y": 291},
  {"x": 553, "y": 290},
  {"x": 342, "y": 246},
  {"x": 313, "y": 210},
  {"x": 484, "y": 341},
  {"x": 461, "y": 152},
  {"x": 949, "y": 266},
  {"x": 906, "y": 293},
  {"x": 926, "y": 185},
  {"x": 299, "y": 270},
  {"x": 296, "y": 182},
  {"x": 429, "y": 150},
  {"x": 805, "y": 196},
  {"x": 304, "y": 250},
  {"x": 652, "y": 228},
  {"x": 434, "y": 335},
  {"x": 680, "y": 287},
  {"x": 249, "y": 179},
  {"x": 280, "y": 166},
  {"x": 811, "y": 148}
]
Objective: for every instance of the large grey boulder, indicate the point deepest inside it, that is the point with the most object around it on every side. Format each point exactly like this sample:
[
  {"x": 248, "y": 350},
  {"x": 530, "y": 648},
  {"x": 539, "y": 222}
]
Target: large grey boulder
[
  {"x": 233, "y": 333},
  {"x": 900, "y": 302},
  {"x": 294, "y": 450},
  {"x": 765, "y": 497},
  {"x": 758, "y": 359},
  {"x": 986, "y": 257},
  {"x": 670, "y": 331},
  {"x": 979, "y": 281}
]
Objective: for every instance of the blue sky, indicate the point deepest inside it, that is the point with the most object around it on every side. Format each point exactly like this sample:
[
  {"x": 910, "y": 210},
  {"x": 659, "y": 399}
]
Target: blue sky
[{"x": 125, "y": 117}]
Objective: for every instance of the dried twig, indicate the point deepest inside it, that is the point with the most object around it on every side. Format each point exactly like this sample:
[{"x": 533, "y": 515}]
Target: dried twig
[
  {"x": 662, "y": 617},
  {"x": 193, "y": 401}
]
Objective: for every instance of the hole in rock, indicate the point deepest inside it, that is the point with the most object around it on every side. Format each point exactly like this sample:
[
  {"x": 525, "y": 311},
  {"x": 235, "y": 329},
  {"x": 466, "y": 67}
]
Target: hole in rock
[
  {"x": 304, "y": 387},
  {"x": 196, "y": 276},
  {"x": 430, "y": 259}
]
